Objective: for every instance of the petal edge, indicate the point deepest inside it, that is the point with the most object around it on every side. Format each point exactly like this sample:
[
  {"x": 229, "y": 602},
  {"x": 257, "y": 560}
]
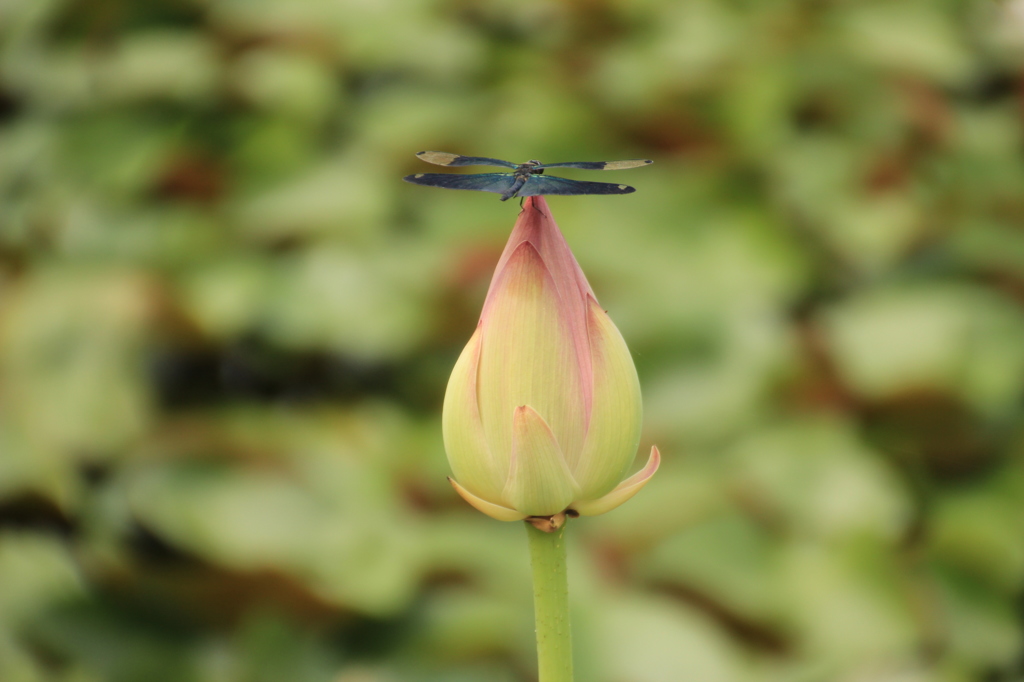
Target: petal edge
[
  {"x": 616, "y": 414},
  {"x": 495, "y": 511},
  {"x": 625, "y": 490},
  {"x": 465, "y": 444}
]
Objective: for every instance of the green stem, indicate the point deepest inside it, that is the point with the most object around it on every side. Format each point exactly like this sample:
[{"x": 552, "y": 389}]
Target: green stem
[{"x": 551, "y": 604}]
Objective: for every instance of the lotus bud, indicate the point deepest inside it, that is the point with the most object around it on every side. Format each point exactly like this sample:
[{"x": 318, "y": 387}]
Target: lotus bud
[{"x": 542, "y": 414}]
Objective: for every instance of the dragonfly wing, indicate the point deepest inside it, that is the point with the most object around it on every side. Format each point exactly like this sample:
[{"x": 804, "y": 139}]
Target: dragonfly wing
[
  {"x": 549, "y": 184},
  {"x": 481, "y": 182},
  {"x": 600, "y": 165},
  {"x": 446, "y": 159}
]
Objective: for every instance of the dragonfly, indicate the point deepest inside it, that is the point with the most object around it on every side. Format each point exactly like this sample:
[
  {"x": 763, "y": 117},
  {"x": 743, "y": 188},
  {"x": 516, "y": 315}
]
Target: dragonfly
[{"x": 525, "y": 180}]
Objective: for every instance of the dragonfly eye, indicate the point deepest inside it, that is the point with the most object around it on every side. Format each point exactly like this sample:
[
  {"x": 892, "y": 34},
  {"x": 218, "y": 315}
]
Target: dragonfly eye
[{"x": 533, "y": 162}]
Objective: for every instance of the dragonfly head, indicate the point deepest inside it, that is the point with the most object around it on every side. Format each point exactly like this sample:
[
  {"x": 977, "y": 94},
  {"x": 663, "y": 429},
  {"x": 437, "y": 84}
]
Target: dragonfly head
[{"x": 527, "y": 169}]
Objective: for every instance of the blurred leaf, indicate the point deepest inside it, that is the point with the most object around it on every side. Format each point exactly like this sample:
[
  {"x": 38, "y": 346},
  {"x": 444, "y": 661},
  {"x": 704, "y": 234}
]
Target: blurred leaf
[
  {"x": 66, "y": 338},
  {"x": 849, "y": 606},
  {"x": 911, "y": 36},
  {"x": 328, "y": 519},
  {"x": 369, "y": 306},
  {"x": 164, "y": 64},
  {"x": 728, "y": 560},
  {"x": 290, "y": 83},
  {"x": 978, "y": 624},
  {"x": 981, "y": 531},
  {"x": 950, "y": 338},
  {"x": 35, "y": 572},
  {"x": 817, "y": 479},
  {"x": 648, "y": 640}
]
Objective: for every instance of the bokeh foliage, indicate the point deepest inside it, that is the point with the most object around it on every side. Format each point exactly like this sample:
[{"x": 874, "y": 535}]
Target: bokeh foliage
[{"x": 226, "y": 327}]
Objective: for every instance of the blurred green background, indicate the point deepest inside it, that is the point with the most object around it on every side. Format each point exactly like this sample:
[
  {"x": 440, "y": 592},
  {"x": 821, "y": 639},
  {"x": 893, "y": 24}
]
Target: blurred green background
[{"x": 226, "y": 326}]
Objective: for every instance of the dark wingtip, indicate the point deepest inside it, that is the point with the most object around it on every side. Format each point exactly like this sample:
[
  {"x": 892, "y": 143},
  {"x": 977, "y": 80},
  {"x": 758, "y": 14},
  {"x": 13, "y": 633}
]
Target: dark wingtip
[
  {"x": 648, "y": 160},
  {"x": 422, "y": 152}
]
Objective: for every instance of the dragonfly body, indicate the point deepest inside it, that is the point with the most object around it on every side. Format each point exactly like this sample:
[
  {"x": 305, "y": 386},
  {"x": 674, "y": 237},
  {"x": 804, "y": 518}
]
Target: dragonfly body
[{"x": 525, "y": 180}]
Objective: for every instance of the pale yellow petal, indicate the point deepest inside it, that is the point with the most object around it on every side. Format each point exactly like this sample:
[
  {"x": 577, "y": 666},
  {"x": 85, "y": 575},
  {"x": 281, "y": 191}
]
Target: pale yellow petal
[
  {"x": 616, "y": 414},
  {"x": 625, "y": 490},
  {"x": 539, "y": 483},
  {"x": 463, "y": 433},
  {"x": 495, "y": 511},
  {"x": 528, "y": 357}
]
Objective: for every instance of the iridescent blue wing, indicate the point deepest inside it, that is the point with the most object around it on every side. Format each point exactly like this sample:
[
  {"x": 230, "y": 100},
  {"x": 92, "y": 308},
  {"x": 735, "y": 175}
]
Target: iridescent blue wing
[
  {"x": 481, "y": 182},
  {"x": 599, "y": 165},
  {"x": 446, "y": 159},
  {"x": 549, "y": 184}
]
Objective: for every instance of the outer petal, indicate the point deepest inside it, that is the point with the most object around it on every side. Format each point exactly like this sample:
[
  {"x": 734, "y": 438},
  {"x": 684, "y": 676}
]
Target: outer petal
[
  {"x": 528, "y": 357},
  {"x": 495, "y": 511},
  {"x": 539, "y": 482},
  {"x": 468, "y": 455},
  {"x": 537, "y": 226},
  {"x": 623, "y": 491},
  {"x": 617, "y": 412}
]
